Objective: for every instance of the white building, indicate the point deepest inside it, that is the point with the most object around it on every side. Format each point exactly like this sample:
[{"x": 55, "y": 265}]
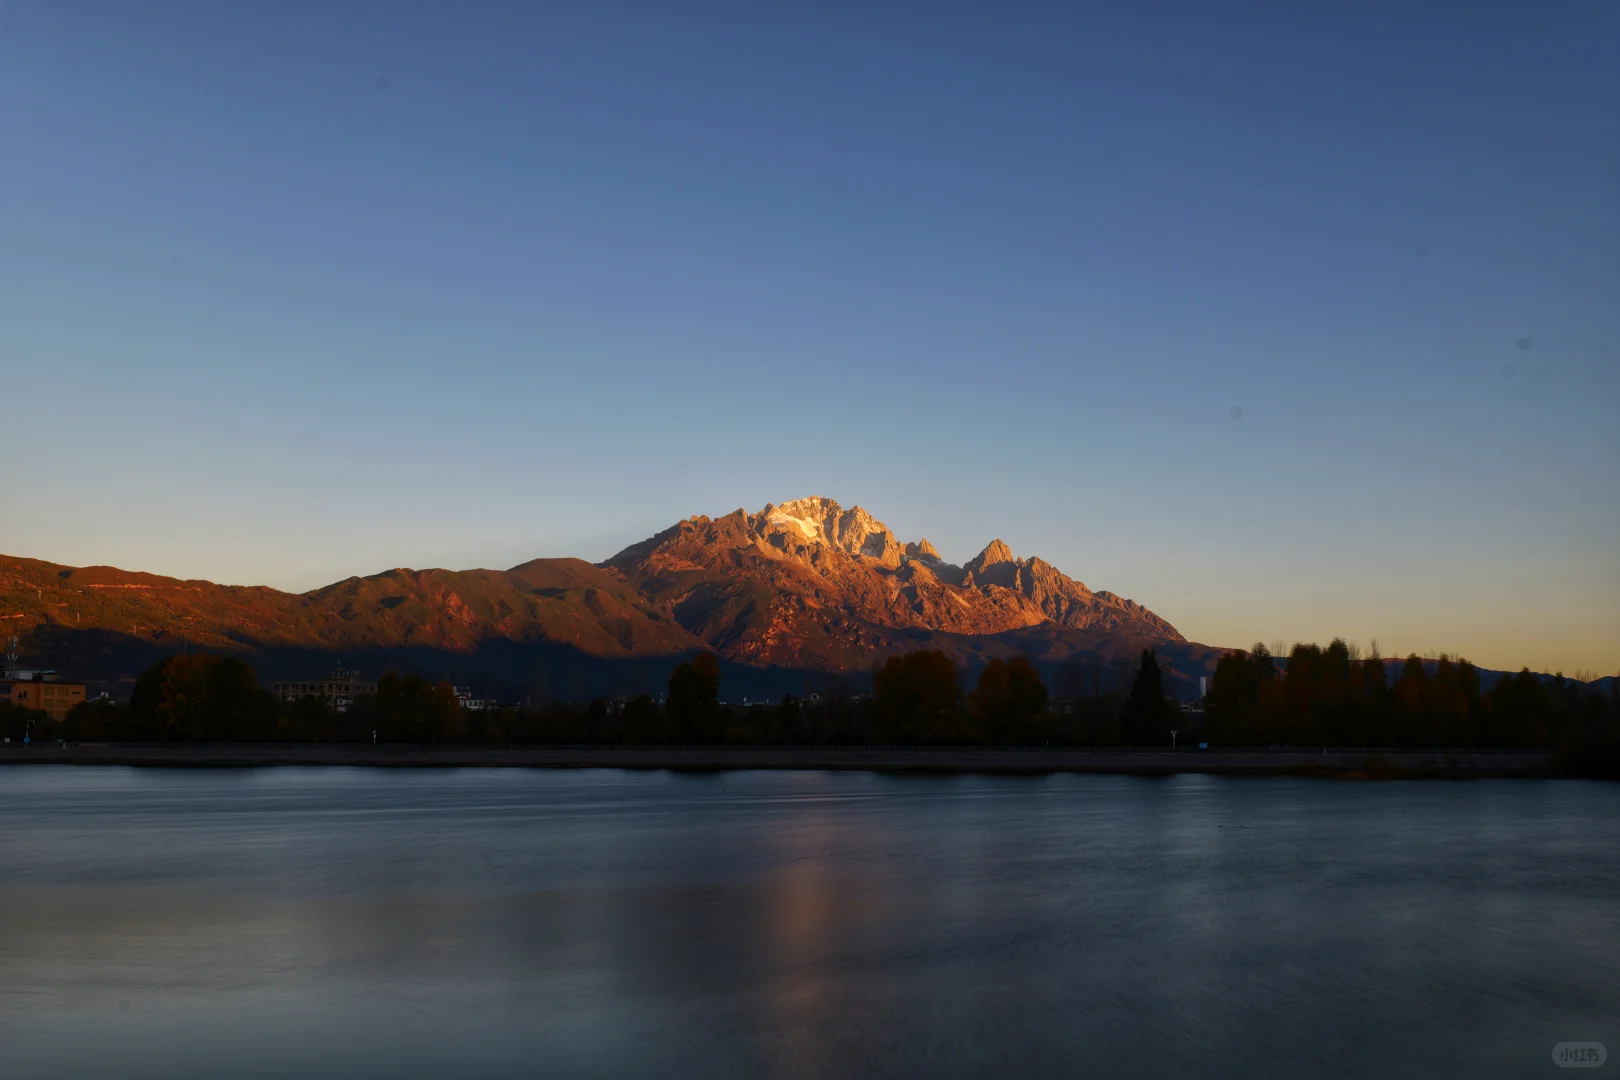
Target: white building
[{"x": 338, "y": 691}]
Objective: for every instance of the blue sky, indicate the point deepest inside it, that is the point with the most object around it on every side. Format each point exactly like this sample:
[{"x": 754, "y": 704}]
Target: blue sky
[{"x": 1285, "y": 325}]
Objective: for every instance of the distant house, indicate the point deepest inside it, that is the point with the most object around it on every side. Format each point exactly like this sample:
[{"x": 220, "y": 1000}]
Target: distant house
[
  {"x": 464, "y": 698},
  {"x": 338, "y": 690}
]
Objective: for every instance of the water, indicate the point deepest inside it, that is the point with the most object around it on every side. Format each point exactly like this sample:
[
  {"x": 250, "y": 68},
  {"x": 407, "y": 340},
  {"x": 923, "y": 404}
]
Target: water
[{"x": 394, "y": 923}]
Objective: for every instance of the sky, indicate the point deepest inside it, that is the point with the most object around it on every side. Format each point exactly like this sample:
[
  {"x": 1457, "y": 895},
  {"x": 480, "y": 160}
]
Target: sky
[{"x": 1288, "y": 324}]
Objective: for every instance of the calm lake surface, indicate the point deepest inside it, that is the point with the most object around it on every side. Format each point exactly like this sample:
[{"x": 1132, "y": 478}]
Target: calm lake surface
[{"x": 495, "y": 922}]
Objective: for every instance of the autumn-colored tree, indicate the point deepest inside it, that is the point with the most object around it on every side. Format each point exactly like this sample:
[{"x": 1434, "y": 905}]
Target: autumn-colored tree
[
  {"x": 1233, "y": 699},
  {"x": 917, "y": 698},
  {"x": 1370, "y": 720},
  {"x": 1411, "y": 703},
  {"x": 200, "y": 696},
  {"x": 693, "y": 704},
  {"x": 1454, "y": 703},
  {"x": 408, "y": 708},
  {"x": 1008, "y": 700},
  {"x": 309, "y": 719},
  {"x": 643, "y": 722},
  {"x": 95, "y": 720},
  {"x": 1518, "y": 711}
]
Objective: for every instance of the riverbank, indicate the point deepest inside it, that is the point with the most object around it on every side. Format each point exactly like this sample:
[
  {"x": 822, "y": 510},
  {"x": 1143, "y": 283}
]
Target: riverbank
[{"x": 1347, "y": 763}]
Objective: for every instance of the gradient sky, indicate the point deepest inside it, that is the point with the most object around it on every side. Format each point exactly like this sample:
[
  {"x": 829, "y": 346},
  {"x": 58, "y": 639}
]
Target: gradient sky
[{"x": 1285, "y": 325}]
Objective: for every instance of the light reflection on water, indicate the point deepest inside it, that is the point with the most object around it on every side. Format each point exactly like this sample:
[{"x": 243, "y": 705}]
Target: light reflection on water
[{"x": 335, "y": 922}]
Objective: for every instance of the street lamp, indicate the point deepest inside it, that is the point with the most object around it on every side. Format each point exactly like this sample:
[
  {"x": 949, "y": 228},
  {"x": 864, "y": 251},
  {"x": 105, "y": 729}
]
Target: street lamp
[{"x": 1172, "y": 738}]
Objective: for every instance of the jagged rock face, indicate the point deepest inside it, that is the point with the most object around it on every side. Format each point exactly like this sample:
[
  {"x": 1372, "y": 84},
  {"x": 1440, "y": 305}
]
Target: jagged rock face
[
  {"x": 802, "y": 526},
  {"x": 1061, "y": 598},
  {"x": 808, "y": 583},
  {"x": 996, "y": 553},
  {"x": 922, "y": 549}
]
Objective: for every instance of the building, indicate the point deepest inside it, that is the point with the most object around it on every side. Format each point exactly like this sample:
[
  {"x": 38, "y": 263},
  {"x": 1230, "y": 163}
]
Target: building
[
  {"x": 464, "y": 698},
  {"x": 338, "y": 690},
  {"x": 29, "y": 688},
  {"x": 43, "y": 691}
]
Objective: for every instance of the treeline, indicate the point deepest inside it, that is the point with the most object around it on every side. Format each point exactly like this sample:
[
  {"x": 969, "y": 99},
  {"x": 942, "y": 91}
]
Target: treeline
[
  {"x": 1314, "y": 697},
  {"x": 1332, "y": 697},
  {"x": 918, "y": 698}
]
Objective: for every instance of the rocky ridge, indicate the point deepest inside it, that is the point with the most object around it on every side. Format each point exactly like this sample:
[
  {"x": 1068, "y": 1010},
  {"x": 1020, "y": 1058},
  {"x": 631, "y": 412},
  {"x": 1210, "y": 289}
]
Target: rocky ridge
[{"x": 809, "y": 580}]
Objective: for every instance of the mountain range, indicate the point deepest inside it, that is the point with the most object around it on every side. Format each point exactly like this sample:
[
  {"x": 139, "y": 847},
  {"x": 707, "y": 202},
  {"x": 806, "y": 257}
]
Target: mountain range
[{"x": 796, "y": 593}]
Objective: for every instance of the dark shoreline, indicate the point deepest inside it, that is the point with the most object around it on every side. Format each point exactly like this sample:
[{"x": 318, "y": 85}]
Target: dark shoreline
[{"x": 1346, "y": 763}]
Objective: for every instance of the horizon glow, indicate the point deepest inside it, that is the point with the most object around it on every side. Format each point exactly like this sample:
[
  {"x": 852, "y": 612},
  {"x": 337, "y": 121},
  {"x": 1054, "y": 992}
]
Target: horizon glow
[{"x": 1286, "y": 327}]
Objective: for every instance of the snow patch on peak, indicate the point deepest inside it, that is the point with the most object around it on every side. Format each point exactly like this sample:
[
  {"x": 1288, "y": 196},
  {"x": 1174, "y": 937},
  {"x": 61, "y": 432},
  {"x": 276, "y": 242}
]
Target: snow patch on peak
[
  {"x": 817, "y": 520},
  {"x": 809, "y": 528}
]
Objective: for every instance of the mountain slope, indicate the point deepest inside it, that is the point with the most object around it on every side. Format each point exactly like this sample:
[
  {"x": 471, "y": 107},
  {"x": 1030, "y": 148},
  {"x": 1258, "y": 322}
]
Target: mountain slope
[
  {"x": 562, "y": 601},
  {"x": 805, "y": 585}
]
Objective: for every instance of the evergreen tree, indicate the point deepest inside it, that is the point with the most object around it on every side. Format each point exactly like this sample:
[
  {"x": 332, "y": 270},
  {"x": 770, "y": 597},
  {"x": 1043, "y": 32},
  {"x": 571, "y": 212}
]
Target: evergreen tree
[{"x": 1145, "y": 720}]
